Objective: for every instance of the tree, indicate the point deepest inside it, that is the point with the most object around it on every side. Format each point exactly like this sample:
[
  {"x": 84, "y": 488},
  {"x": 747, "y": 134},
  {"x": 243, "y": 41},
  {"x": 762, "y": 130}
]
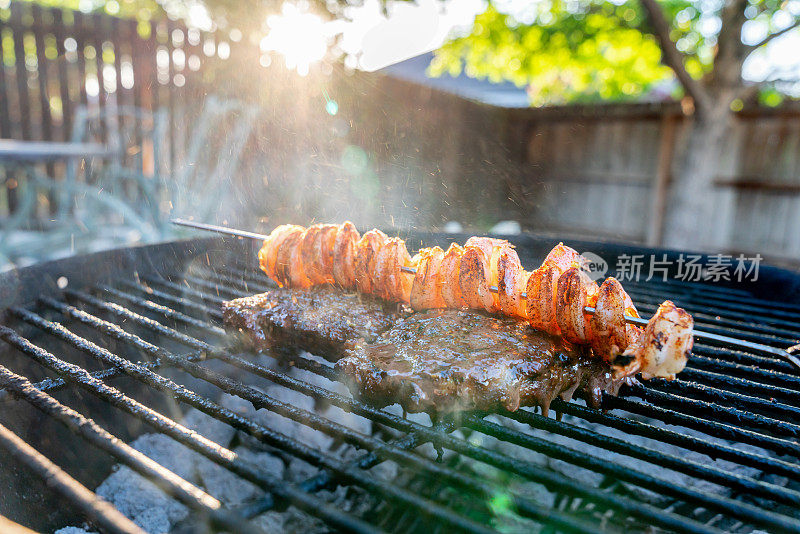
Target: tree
[{"x": 568, "y": 50}]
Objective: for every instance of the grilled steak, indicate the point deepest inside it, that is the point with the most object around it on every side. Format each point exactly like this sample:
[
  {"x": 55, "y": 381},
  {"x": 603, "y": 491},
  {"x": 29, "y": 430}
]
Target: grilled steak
[
  {"x": 320, "y": 320},
  {"x": 446, "y": 360}
]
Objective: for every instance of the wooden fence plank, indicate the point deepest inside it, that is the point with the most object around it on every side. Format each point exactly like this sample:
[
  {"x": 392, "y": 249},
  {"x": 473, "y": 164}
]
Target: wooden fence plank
[
  {"x": 63, "y": 75},
  {"x": 44, "y": 96},
  {"x": 5, "y": 116},
  {"x": 98, "y": 22},
  {"x": 80, "y": 25}
]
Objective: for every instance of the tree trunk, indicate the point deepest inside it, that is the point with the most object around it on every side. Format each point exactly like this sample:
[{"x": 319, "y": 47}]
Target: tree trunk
[{"x": 698, "y": 216}]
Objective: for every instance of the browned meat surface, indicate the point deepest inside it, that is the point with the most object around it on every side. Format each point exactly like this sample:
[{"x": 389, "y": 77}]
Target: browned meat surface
[
  {"x": 320, "y": 320},
  {"x": 446, "y": 360}
]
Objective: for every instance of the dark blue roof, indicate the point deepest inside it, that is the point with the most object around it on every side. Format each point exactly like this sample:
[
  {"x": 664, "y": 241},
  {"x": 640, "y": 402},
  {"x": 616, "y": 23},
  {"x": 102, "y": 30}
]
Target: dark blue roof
[{"x": 504, "y": 94}]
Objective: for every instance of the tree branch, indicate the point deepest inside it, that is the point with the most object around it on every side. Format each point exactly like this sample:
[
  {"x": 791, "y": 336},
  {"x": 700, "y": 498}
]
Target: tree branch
[
  {"x": 772, "y": 36},
  {"x": 673, "y": 57}
]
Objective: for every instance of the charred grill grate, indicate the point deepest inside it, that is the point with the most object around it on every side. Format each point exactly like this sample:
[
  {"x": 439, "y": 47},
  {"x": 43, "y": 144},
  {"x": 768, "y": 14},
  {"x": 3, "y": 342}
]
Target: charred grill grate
[{"x": 741, "y": 409}]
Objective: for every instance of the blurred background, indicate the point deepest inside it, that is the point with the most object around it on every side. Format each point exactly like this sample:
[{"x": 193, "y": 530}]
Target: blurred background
[{"x": 668, "y": 123}]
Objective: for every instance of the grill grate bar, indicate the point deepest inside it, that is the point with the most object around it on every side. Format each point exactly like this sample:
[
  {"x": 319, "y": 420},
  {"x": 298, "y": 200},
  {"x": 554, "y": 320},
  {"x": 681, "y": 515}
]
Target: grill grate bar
[
  {"x": 728, "y": 506},
  {"x": 261, "y": 400},
  {"x": 742, "y": 389},
  {"x": 522, "y": 468},
  {"x": 150, "y": 291},
  {"x": 253, "y": 395},
  {"x": 745, "y": 358},
  {"x": 769, "y": 408},
  {"x": 713, "y": 411},
  {"x": 57, "y": 384},
  {"x": 197, "y": 304},
  {"x": 224, "y": 457},
  {"x": 163, "y": 310},
  {"x": 99, "y": 511},
  {"x": 749, "y": 374},
  {"x": 274, "y": 438},
  {"x": 673, "y": 285},
  {"x": 166, "y": 480},
  {"x": 707, "y": 321},
  {"x": 326, "y": 479},
  {"x": 186, "y": 290},
  {"x": 675, "y": 463},
  {"x": 719, "y": 296},
  {"x": 732, "y": 307},
  {"x": 714, "y": 450},
  {"x": 713, "y": 428},
  {"x": 745, "y": 313}
]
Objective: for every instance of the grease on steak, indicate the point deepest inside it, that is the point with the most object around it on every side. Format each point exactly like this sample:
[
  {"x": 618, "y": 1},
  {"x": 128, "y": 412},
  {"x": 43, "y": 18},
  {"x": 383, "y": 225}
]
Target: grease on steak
[
  {"x": 448, "y": 360},
  {"x": 320, "y": 320}
]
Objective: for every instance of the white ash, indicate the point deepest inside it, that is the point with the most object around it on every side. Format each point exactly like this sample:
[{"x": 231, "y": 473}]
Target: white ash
[
  {"x": 73, "y": 530},
  {"x": 155, "y": 512},
  {"x": 230, "y": 489},
  {"x": 139, "y": 499}
]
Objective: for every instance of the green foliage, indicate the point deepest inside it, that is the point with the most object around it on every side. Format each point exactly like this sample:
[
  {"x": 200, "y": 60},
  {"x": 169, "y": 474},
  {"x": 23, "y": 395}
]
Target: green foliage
[
  {"x": 570, "y": 52},
  {"x": 589, "y": 50}
]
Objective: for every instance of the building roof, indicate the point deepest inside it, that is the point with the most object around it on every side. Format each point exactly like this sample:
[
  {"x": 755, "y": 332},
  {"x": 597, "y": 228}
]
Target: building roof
[{"x": 502, "y": 94}]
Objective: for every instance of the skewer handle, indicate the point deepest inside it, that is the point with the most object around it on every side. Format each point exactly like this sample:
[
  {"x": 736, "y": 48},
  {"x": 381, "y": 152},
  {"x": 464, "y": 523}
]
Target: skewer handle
[{"x": 218, "y": 229}]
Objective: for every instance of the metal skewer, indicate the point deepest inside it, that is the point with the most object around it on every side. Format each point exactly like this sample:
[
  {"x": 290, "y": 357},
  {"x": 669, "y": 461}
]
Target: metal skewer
[{"x": 781, "y": 353}]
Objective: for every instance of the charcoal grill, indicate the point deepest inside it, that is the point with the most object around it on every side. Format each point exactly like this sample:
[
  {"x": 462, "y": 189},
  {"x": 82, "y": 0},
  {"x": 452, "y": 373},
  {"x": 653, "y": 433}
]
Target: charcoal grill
[{"x": 97, "y": 349}]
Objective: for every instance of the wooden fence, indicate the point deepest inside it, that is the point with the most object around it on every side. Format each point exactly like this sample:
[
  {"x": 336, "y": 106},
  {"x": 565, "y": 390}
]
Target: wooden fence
[
  {"x": 601, "y": 172},
  {"x": 54, "y": 61},
  {"x": 606, "y": 173}
]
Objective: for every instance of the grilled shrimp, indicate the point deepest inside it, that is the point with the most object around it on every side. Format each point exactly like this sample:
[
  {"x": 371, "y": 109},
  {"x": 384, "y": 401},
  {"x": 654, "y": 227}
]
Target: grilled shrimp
[
  {"x": 289, "y": 264},
  {"x": 608, "y": 326},
  {"x": 449, "y": 287},
  {"x": 575, "y": 291},
  {"x": 344, "y": 255},
  {"x": 563, "y": 258},
  {"x": 557, "y": 292},
  {"x": 426, "y": 289},
  {"x": 664, "y": 346},
  {"x": 388, "y": 281},
  {"x": 268, "y": 255},
  {"x": 494, "y": 249},
  {"x": 316, "y": 252},
  {"x": 366, "y": 250},
  {"x": 474, "y": 279},
  {"x": 542, "y": 289},
  {"x": 512, "y": 282}
]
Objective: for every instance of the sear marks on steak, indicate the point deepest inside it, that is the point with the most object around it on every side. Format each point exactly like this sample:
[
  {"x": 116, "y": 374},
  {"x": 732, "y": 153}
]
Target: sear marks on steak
[
  {"x": 447, "y": 360},
  {"x": 320, "y": 320}
]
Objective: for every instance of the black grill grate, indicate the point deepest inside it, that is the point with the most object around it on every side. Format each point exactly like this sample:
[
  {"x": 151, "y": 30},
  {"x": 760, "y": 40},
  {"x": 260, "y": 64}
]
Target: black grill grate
[{"x": 728, "y": 398}]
